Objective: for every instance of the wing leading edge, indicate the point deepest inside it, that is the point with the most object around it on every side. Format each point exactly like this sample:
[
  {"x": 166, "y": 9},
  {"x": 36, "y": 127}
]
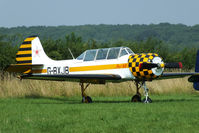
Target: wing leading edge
[
  {"x": 71, "y": 77},
  {"x": 176, "y": 75},
  {"x": 194, "y": 77}
]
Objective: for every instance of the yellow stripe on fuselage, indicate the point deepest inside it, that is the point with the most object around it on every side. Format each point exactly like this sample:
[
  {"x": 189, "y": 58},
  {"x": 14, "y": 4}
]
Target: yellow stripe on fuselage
[
  {"x": 23, "y": 58},
  {"x": 36, "y": 71},
  {"x": 24, "y": 52},
  {"x": 26, "y": 46},
  {"x": 98, "y": 67},
  {"x": 29, "y": 39}
]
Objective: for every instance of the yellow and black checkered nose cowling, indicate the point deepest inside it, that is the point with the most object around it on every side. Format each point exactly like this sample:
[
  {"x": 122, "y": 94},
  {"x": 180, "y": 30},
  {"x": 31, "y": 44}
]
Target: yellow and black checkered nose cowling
[{"x": 134, "y": 62}]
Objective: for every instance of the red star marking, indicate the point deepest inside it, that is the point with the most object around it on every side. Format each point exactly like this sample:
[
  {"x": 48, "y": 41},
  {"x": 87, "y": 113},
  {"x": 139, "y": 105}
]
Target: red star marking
[{"x": 37, "y": 51}]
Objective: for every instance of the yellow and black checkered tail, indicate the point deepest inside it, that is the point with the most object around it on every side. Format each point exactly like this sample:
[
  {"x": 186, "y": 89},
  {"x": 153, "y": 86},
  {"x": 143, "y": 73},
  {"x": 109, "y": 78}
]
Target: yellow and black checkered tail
[{"x": 24, "y": 55}]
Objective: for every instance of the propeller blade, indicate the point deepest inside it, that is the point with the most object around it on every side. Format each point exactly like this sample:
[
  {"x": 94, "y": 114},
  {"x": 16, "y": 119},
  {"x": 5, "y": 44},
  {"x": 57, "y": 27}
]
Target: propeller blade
[
  {"x": 145, "y": 65},
  {"x": 173, "y": 65}
]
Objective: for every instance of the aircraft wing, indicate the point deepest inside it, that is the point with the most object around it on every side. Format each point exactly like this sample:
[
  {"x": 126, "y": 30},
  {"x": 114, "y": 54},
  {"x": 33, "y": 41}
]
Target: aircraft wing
[
  {"x": 71, "y": 77},
  {"x": 170, "y": 75},
  {"x": 193, "y": 77}
]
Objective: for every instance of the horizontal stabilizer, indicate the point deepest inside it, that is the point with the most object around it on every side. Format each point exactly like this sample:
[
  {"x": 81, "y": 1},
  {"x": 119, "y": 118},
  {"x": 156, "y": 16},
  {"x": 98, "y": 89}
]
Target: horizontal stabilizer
[
  {"x": 195, "y": 80},
  {"x": 21, "y": 68},
  {"x": 196, "y": 86}
]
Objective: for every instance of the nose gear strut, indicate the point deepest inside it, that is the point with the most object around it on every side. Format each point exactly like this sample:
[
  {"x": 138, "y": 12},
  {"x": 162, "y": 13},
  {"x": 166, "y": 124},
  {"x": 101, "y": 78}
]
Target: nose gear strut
[{"x": 146, "y": 99}]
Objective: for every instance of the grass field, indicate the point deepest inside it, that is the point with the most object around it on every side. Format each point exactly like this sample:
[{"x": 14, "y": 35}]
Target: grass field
[
  {"x": 13, "y": 87},
  {"x": 168, "y": 113},
  {"x": 46, "y": 106}
]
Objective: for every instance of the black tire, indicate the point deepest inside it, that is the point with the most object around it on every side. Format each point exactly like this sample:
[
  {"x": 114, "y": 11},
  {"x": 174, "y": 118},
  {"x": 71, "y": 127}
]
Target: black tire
[
  {"x": 147, "y": 101},
  {"x": 136, "y": 98},
  {"x": 87, "y": 100}
]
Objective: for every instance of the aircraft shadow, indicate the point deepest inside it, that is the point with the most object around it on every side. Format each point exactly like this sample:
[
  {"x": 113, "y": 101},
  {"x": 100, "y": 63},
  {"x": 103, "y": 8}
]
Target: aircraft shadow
[
  {"x": 103, "y": 101},
  {"x": 61, "y": 100},
  {"x": 65, "y": 100},
  {"x": 154, "y": 101},
  {"x": 174, "y": 100}
]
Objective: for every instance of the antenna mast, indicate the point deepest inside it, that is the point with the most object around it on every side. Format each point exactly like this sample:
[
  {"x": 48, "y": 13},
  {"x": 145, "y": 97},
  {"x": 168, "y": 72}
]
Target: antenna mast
[{"x": 71, "y": 53}]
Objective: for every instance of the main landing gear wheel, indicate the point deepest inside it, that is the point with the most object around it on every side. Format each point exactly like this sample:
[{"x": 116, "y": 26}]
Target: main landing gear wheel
[
  {"x": 87, "y": 99},
  {"x": 136, "y": 98}
]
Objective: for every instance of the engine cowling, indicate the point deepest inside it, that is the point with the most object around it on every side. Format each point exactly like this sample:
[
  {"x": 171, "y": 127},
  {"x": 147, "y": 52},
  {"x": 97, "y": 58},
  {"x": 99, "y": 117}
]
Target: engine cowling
[{"x": 135, "y": 65}]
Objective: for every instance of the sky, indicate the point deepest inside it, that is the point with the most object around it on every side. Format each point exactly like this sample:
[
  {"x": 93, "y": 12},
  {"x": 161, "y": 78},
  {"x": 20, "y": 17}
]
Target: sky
[{"x": 80, "y": 12}]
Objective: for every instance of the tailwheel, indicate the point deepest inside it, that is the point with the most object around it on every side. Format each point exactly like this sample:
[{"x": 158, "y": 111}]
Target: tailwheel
[
  {"x": 136, "y": 98},
  {"x": 147, "y": 100},
  {"x": 87, "y": 99}
]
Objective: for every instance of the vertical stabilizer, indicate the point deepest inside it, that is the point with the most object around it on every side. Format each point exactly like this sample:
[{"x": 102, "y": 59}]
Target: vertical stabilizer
[
  {"x": 31, "y": 52},
  {"x": 196, "y": 84},
  {"x": 197, "y": 62}
]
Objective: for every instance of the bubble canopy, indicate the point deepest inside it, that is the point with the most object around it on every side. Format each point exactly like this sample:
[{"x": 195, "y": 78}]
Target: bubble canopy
[{"x": 104, "y": 53}]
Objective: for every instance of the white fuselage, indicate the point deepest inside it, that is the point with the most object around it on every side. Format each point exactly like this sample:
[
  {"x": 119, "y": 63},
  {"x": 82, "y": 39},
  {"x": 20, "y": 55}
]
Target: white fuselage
[{"x": 117, "y": 66}]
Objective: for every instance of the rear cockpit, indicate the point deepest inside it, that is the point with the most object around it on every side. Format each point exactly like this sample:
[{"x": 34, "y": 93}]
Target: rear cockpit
[{"x": 105, "y": 53}]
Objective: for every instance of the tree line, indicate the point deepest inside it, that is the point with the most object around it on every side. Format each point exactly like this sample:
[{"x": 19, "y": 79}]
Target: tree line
[
  {"x": 176, "y": 34},
  {"x": 58, "y": 48}
]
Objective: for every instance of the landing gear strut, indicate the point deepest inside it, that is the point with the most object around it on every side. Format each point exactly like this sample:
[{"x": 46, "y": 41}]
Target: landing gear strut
[
  {"x": 137, "y": 96},
  {"x": 85, "y": 98},
  {"x": 146, "y": 99}
]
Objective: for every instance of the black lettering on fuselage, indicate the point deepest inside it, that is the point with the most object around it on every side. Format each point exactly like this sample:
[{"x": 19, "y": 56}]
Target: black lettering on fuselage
[
  {"x": 58, "y": 70},
  {"x": 54, "y": 70},
  {"x": 48, "y": 70},
  {"x": 66, "y": 71}
]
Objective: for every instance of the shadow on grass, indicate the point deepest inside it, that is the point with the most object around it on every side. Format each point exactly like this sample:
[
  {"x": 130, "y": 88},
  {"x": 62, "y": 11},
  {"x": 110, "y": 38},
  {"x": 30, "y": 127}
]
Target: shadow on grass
[
  {"x": 58, "y": 100},
  {"x": 175, "y": 100},
  {"x": 103, "y": 101},
  {"x": 67, "y": 100},
  {"x": 70, "y": 100},
  {"x": 154, "y": 101}
]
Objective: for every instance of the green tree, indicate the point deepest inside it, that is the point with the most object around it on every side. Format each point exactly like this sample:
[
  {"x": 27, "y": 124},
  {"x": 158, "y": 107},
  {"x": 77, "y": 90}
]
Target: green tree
[{"x": 7, "y": 53}]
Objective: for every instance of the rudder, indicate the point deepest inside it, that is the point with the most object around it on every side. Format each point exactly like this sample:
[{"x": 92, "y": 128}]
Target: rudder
[
  {"x": 24, "y": 54},
  {"x": 31, "y": 52},
  {"x": 196, "y": 84}
]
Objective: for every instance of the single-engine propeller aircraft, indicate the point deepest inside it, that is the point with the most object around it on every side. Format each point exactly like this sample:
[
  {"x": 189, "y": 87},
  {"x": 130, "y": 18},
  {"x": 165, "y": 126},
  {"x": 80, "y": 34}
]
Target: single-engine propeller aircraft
[{"x": 97, "y": 66}]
